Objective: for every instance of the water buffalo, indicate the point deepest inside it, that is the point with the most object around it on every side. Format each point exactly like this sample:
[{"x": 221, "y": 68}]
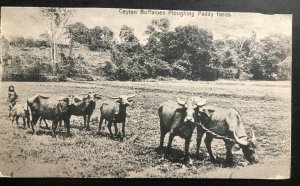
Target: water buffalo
[
  {"x": 178, "y": 119},
  {"x": 115, "y": 112},
  {"x": 51, "y": 109},
  {"x": 225, "y": 122},
  {"x": 20, "y": 110},
  {"x": 86, "y": 107}
]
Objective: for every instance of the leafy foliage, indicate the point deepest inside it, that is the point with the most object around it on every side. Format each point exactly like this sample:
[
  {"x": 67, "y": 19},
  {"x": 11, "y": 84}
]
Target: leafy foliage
[
  {"x": 79, "y": 32},
  {"x": 13, "y": 69},
  {"x": 95, "y": 39},
  {"x": 267, "y": 60},
  {"x": 29, "y": 42},
  {"x": 187, "y": 52}
]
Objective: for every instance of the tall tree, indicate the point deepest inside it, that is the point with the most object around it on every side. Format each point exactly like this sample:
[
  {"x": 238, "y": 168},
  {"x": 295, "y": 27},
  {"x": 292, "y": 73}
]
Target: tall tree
[
  {"x": 155, "y": 31},
  {"x": 129, "y": 42},
  {"x": 126, "y": 34},
  {"x": 77, "y": 32},
  {"x": 270, "y": 54},
  {"x": 190, "y": 44},
  {"x": 100, "y": 38},
  {"x": 58, "y": 19}
]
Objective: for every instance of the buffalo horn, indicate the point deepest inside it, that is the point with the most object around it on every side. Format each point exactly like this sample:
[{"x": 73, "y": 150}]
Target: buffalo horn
[
  {"x": 201, "y": 102},
  {"x": 131, "y": 95},
  {"x": 180, "y": 102},
  {"x": 253, "y": 136},
  {"x": 97, "y": 95},
  {"x": 113, "y": 97},
  {"x": 238, "y": 140}
]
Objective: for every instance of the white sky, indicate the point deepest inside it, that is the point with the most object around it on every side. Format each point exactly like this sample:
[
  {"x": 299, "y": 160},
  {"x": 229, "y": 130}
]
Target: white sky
[{"x": 27, "y": 22}]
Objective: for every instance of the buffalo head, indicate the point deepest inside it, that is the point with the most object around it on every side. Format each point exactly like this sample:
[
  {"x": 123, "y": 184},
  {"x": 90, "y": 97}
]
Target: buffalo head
[
  {"x": 65, "y": 103},
  {"x": 91, "y": 96},
  {"x": 248, "y": 147},
  {"x": 124, "y": 100},
  {"x": 191, "y": 106}
]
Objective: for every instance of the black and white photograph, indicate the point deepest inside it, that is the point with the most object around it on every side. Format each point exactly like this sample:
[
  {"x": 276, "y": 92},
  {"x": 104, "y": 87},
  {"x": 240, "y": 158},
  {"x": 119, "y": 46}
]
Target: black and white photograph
[{"x": 145, "y": 93}]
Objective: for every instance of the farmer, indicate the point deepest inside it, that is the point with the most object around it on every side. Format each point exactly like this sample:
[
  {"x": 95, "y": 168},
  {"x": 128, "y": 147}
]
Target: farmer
[{"x": 12, "y": 97}]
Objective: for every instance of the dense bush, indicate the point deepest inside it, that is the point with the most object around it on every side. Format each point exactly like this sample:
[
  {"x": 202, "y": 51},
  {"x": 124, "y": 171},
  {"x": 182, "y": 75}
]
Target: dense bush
[
  {"x": 96, "y": 39},
  {"x": 29, "y": 42},
  {"x": 139, "y": 66},
  {"x": 181, "y": 69},
  {"x": 17, "y": 41},
  {"x": 14, "y": 71},
  {"x": 42, "y": 44}
]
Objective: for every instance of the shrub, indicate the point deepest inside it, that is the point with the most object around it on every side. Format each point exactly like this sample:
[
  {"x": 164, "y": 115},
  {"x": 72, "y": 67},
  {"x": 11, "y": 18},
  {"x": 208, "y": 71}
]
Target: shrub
[
  {"x": 158, "y": 67},
  {"x": 245, "y": 76},
  {"x": 107, "y": 70},
  {"x": 181, "y": 69},
  {"x": 29, "y": 42},
  {"x": 42, "y": 44},
  {"x": 17, "y": 41},
  {"x": 229, "y": 73},
  {"x": 27, "y": 69}
]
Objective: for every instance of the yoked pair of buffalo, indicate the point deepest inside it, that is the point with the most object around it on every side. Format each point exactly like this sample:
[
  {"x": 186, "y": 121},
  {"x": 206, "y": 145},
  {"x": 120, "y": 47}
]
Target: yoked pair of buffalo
[{"x": 179, "y": 118}]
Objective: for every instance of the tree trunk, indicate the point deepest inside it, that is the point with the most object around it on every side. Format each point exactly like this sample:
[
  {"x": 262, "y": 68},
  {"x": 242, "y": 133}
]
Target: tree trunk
[
  {"x": 55, "y": 57},
  {"x": 52, "y": 58},
  {"x": 52, "y": 50},
  {"x": 71, "y": 45}
]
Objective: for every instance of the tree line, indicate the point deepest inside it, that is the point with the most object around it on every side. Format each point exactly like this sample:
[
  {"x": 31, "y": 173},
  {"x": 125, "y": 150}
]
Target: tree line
[{"x": 188, "y": 52}]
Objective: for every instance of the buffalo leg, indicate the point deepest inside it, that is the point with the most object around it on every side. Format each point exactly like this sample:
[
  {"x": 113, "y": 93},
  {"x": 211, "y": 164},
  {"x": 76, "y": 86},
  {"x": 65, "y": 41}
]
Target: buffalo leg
[
  {"x": 67, "y": 124},
  {"x": 229, "y": 156},
  {"x": 43, "y": 119},
  {"x": 208, "y": 141},
  {"x": 47, "y": 126},
  {"x": 27, "y": 117},
  {"x": 200, "y": 134},
  {"x": 54, "y": 126},
  {"x": 162, "y": 137},
  {"x": 116, "y": 128},
  {"x": 84, "y": 121},
  {"x": 109, "y": 128},
  {"x": 162, "y": 134},
  {"x": 33, "y": 122},
  {"x": 17, "y": 120},
  {"x": 28, "y": 123},
  {"x": 186, "y": 149},
  {"x": 171, "y": 137},
  {"x": 24, "y": 123},
  {"x": 88, "y": 122},
  {"x": 40, "y": 122},
  {"x": 59, "y": 123},
  {"x": 123, "y": 129},
  {"x": 100, "y": 124},
  {"x": 13, "y": 119}
]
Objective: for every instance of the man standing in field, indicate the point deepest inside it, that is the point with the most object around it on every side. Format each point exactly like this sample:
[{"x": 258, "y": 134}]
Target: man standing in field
[{"x": 12, "y": 97}]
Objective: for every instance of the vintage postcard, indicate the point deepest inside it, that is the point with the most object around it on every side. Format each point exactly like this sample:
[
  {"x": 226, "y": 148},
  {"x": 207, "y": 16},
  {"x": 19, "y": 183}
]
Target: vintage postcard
[{"x": 145, "y": 93}]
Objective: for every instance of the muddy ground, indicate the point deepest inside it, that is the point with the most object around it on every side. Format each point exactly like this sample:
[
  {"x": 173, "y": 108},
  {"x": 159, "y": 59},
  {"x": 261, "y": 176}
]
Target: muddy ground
[{"x": 265, "y": 107}]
